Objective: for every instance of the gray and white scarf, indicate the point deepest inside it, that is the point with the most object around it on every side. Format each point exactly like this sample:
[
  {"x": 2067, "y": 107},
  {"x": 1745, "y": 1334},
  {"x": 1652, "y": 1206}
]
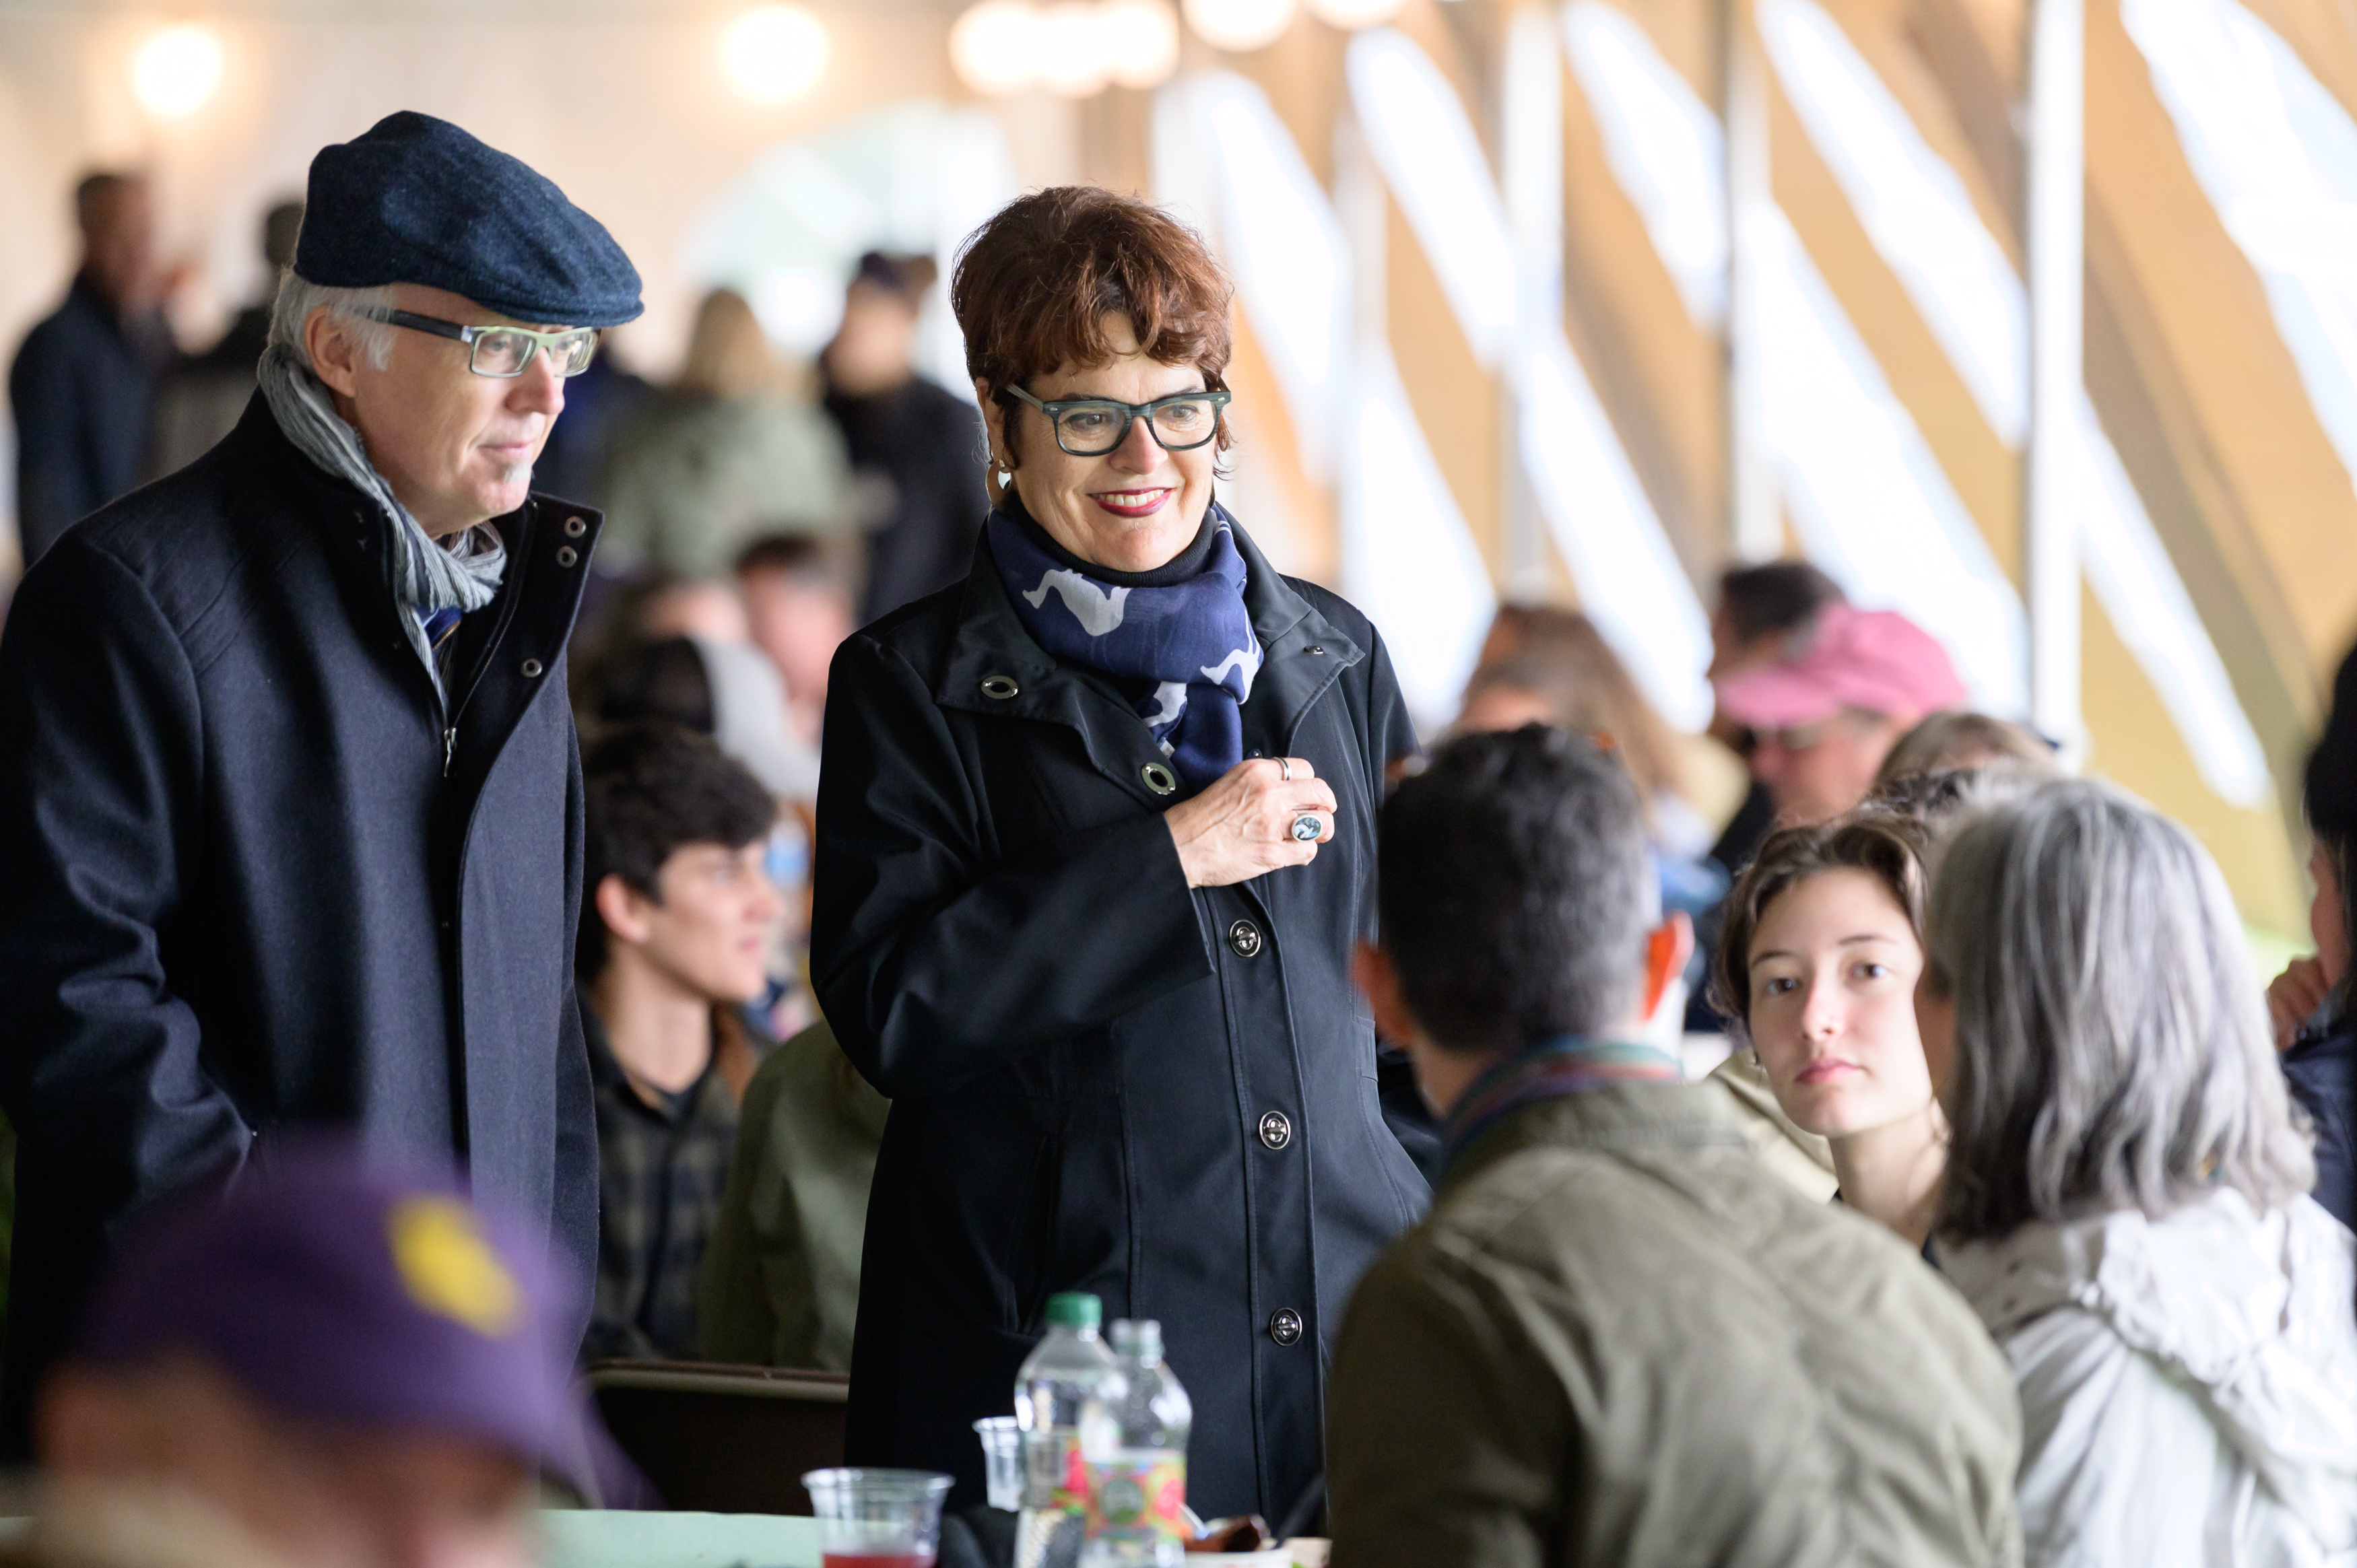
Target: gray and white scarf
[{"x": 427, "y": 576}]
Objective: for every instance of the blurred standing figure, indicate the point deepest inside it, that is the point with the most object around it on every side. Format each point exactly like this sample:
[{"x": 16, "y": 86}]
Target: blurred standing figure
[
  {"x": 798, "y": 611},
  {"x": 919, "y": 436},
  {"x": 202, "y": 396},
  {"x": 82, "y": 384},
  {"x": 290, "y": 803},
  {"x": 723, "y": 455},
  {"x": 2126, "y": 1197},
  {"x": 599, "y": 403}
]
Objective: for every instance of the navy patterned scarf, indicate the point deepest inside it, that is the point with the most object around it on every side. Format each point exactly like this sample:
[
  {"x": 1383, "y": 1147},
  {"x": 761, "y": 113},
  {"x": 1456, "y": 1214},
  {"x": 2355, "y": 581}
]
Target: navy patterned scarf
[{"x": 1192, "y": 639}]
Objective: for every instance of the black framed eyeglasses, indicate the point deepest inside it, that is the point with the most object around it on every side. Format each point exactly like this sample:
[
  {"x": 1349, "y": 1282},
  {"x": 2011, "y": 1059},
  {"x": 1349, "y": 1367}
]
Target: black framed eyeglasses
[
  {"x": 1093, "y": 426},
  {"x": 504, "y": 352}
]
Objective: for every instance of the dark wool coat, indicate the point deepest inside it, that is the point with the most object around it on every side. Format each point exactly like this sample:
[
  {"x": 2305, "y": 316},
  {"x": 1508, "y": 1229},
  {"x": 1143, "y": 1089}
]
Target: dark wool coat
[
  {"x": 1101, "y": 1079},
  {"x": 256, "y": 880}
]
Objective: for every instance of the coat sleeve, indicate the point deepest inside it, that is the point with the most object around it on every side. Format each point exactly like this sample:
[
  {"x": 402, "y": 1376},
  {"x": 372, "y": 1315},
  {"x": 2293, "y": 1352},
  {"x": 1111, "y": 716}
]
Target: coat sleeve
[
  {"x": 101, "y": 757},
  {"x": 574, "y": 1206},
  {"x": 1391, "y": 733},
  {"x": 933, "y": 961},
  {"x": 1447, "y": 1440}
]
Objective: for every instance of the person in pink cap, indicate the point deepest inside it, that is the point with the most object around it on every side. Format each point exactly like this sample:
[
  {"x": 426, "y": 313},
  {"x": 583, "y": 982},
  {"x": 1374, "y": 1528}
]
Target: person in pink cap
[{"x": 1823, "y": 718}]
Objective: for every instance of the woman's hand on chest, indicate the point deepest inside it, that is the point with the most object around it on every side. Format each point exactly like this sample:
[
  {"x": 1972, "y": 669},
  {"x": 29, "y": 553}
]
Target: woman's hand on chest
[{"x": 1247, "y": 821}]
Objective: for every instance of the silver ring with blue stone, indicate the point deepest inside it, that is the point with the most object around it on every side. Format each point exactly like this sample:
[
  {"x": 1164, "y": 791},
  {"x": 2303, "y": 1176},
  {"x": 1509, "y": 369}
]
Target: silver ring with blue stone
[{"x": 1307, "y": 829}]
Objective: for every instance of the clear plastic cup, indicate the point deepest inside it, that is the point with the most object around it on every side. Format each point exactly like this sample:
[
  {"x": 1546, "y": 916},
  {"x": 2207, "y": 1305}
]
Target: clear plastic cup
[
  {"x": 877, "y": 1519},
  {"x": 1002, "y": 1460}
]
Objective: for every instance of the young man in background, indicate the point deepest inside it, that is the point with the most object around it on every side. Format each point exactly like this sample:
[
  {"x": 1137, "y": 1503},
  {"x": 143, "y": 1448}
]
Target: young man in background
[{"x": 675, "y": 930}]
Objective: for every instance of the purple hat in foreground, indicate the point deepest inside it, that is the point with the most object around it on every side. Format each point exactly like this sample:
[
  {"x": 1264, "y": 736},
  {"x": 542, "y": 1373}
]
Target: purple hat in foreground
[
  {"x": 1876, "y": 661},
  {"x": 358, "y": 1291}
]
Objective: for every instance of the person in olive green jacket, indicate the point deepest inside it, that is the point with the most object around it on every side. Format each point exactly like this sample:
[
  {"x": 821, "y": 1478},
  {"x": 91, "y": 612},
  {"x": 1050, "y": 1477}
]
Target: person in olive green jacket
[
  {"x": 781, "y": 1285},
  {"x": 1617, "y": 1338}
]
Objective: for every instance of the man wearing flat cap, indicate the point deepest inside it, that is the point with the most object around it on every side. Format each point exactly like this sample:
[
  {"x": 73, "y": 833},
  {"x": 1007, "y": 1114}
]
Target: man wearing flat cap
[{"x": 290, "y": 800}]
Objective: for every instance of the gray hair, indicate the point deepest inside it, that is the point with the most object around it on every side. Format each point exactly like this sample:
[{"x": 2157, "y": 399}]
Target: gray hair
[
  {"x": 2112, "y": 1044},
  {"x": 298, "y": 297}
]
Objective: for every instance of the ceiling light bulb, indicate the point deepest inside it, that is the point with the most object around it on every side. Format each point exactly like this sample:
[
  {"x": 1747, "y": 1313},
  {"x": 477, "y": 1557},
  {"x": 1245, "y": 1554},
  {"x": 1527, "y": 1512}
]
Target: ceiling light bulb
[
  {"x": 1074, "y": 57},
  {"x": 776, "y": 52},
  {"x": 1351, "y": 15},
  {"x": 177, "y": 70},
  {"x": 994, "y": 46},
  {"x": 1240, "y": 26},
  {"x": 1141, "y": 40}
]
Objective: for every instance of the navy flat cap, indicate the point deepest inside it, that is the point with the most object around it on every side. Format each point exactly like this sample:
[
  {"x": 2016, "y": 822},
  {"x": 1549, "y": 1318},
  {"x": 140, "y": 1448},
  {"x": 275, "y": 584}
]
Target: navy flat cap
[{"x": 418, "y": 201}]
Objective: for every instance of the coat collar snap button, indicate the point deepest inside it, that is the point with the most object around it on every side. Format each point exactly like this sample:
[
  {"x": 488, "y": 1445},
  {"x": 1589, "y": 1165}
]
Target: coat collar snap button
[
  {"x": 1159, "y": 778},
  {"x": 998, "y": 688}
]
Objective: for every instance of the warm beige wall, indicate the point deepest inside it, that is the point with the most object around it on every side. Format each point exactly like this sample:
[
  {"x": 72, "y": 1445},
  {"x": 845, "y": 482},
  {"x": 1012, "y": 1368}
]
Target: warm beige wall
[{"x": 628, "y": 111}]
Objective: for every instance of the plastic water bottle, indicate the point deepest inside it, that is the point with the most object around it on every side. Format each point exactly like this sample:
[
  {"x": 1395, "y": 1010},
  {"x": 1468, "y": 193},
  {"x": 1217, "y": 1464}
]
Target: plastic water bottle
[
  {"x": 1134, "y": 1442},
  {"x": 1055, "y": 1383}
]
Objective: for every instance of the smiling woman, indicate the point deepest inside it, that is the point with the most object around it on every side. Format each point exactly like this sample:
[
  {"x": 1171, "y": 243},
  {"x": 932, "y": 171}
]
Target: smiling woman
[{"x": 1095, "y": 846}]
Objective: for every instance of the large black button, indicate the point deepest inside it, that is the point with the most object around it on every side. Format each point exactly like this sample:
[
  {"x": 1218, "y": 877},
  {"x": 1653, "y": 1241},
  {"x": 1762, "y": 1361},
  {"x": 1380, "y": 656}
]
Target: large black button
[
  {"x": 1285, "y": 1326},
  {"x": 1244, "y": 937},
  {"x": 1276, "y": 1131}
]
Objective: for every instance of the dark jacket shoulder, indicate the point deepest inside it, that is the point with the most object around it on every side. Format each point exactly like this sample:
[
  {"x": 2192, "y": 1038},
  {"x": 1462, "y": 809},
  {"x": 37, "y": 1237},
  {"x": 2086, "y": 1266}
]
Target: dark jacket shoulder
[
  {"x": 187, "y": 536},
  {"x": 2320, "y": 1069}
]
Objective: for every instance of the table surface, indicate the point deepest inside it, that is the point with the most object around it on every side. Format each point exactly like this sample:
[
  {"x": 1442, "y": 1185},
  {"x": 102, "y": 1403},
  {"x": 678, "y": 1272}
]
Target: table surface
[{"x": 588, "y": 1539}]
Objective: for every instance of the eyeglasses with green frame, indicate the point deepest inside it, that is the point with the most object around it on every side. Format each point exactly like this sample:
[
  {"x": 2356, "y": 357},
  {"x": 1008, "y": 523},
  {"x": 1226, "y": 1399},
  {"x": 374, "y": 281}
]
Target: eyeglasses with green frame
[
  {"x": 504, "y": 352},
  {"x": 1093, "y": 426}
]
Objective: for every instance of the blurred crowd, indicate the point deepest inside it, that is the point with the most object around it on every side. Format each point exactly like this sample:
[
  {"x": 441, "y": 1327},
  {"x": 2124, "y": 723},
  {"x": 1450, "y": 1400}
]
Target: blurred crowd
[{"x": 2009, "y": 1207}]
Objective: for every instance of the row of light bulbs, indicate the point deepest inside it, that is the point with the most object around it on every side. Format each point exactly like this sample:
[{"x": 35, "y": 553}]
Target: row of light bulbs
[
  {"x": 778, "y": 51},
  {"x": 1075, "y": 47}
]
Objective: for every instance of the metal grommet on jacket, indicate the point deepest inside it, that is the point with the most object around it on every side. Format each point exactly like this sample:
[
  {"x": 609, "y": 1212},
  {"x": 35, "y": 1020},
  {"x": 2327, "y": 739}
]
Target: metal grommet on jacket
[
  {"x": 575, "y": 528},
  {"x": 567, "y": 556},
  {"x": 1285, "y": 1326},
  {"x": 999, "y": 688},
  {"x": 1244, "y": 937},
  {"x": 1276, "y": 1129},
  {"x": 532, "y": 669},
  {"x": 1159, "y": 778}
]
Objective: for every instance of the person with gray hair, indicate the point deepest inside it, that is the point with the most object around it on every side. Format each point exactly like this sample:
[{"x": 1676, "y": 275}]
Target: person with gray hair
[
  {"x": 2126, "y": 1200},
  {"x": 290, "y": 802}
]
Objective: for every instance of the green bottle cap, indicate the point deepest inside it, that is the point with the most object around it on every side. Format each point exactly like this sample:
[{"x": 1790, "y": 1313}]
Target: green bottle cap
[{"x": 1075, "y": 1309}]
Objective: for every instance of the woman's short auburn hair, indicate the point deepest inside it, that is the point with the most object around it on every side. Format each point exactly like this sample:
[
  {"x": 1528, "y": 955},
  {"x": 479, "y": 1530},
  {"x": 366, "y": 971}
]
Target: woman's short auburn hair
[{"x": 1032, "y": 288}]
